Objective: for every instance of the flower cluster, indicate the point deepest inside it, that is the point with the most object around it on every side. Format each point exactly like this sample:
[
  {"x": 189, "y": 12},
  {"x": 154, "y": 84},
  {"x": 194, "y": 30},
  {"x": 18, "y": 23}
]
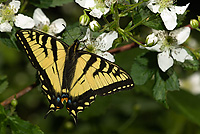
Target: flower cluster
[
  {"x": 168, "y": 46},
  {"x": 8, "y": 19}
]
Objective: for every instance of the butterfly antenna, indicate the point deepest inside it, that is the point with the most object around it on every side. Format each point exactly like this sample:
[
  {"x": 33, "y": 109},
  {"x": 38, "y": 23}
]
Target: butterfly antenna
[
  {"x": 68, "y": 32},
  {"x": 51, "y": 110}
]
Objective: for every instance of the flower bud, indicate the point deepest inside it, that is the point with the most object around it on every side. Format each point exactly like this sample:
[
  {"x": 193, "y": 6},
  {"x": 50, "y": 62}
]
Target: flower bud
[
  {"x": 194, "y": 23},
  {"x": 84, "y": 19},
  {"x": 14, "y": 102},
  {"x": 151, "y": 40},
  {"x": 94, "y": 25}
]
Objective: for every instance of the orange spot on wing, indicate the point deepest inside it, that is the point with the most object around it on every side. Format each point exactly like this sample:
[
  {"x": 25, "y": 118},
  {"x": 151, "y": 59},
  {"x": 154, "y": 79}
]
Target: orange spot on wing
[{"x": 64, "y": 99}]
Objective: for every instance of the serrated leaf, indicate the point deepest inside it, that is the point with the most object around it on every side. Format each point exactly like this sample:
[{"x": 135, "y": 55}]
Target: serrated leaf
[
  {"x": 185, "y": 103},
  {"x": 159, "y": 89},
  {"x": 49, "y": 3},
  {"x": 172, "y": 83},
  {"x": 20, "y": 126},
  {"x": 143, "y": 67},
  {"x": 164, "y": 82},
  {"x": 16, "y": 124}
]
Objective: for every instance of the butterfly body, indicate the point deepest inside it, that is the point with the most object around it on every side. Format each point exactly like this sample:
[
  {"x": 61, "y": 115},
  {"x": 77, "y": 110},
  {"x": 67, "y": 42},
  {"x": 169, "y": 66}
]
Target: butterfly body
[{"x": 71, "y": 75}]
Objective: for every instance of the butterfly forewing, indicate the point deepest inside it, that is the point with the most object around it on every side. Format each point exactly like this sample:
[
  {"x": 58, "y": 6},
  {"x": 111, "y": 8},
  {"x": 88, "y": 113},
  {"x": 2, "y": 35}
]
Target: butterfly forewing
[{"x": 47, "y": 55}]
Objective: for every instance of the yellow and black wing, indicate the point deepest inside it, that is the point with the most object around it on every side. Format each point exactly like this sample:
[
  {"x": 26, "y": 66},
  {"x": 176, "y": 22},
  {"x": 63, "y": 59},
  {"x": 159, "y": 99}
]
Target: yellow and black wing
[
  {"x": 47, "y": 55},
  {"x": 71, "y": 75},
  {"x": 93, "y": 75}
]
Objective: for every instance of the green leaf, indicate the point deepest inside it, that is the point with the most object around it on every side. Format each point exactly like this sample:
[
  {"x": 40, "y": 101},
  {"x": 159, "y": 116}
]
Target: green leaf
[
  {"x": 172, "y": 83},
  {"x": 151, "y": 20},
  {"x": 8, "y": 39},
  {"x": 164, "y": 82},
  {"x": 72, "y": 33},
  {"x": 15, "y": 124},
  {"x": 3, "y": 83},
  {"x": 49, "y": 3},
  {"x": 159, "y": 89},
  {"x": 185, "y": 103},
  {"x": 144, "y": 67},
  {"x": 20, "y": 126}
]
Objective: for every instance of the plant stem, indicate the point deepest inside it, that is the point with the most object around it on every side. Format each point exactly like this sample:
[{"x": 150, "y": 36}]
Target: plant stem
[{"x": 23, "y": 6}]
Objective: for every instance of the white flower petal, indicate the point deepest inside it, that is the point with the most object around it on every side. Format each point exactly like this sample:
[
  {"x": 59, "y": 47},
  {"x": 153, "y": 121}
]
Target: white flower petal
[
  {"x": 165, "y": 61},
  {"x": 96, "y": 13},
  {"x": 156, "y": 48},
  {"x": 169, "y": 18},
  {"x": 153, "y": 6},
  {"x": 86, "y": 3},
  {"x": 181, "y": 9},
  {"x": 5, "y": 27},
  {"x": 181, "y": 34},
  {"x": 15, "y": 5},
  {"x": 180, "y": 55},
  {"x": 24, "y": 21},
  {"x": 57, "y": 26},
  {"x": 105, "y": 40},
  {"x": 106, "y": 55},
  {"x": 87, "y": 38},
  {"x": 40, "y": 18}
]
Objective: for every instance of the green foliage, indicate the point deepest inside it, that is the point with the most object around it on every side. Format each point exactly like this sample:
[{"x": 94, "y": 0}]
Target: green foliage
[
  {"x": 13, "y": 124},
  {"x": 145, "y": 66},
  {"x": 8, "y": 39},
  {"x": 164, "y": 83},
  {"x": 3, "y": 83},
  {"x": 72, "y": 33},
  {"x": 150, "y": 19},
  {"x": 49, "y": 3}
]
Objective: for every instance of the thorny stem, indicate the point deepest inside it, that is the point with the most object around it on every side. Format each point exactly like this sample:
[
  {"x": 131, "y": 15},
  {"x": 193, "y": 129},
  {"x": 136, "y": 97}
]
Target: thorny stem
[
  {"x": 25, "y": 2},
  {"x": 134, "y": 6},
  {"x": 18, "y": 95}
]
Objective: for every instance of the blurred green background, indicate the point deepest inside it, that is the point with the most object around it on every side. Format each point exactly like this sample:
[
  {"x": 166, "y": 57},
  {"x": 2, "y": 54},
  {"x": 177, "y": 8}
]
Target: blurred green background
[{"x": 129, "y": 112}]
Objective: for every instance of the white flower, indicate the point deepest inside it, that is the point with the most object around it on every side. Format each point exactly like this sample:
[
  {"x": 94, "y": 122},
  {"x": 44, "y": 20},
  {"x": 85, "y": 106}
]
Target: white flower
[
  {"x": 98, "y": 7},
  {"x": 101, "y": 44},
  {"x": 8, "y": 17},
  {"x": 192, "y": 83},
  {"x": 168, "y": 46},
  {"x": 167, "y": 11},
  {"x": 43, "y": 23}
]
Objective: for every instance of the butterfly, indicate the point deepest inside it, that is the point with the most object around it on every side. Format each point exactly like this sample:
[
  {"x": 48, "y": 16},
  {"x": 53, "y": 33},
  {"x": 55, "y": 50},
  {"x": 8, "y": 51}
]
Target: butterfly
[{"x": 71, "y": 75}]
